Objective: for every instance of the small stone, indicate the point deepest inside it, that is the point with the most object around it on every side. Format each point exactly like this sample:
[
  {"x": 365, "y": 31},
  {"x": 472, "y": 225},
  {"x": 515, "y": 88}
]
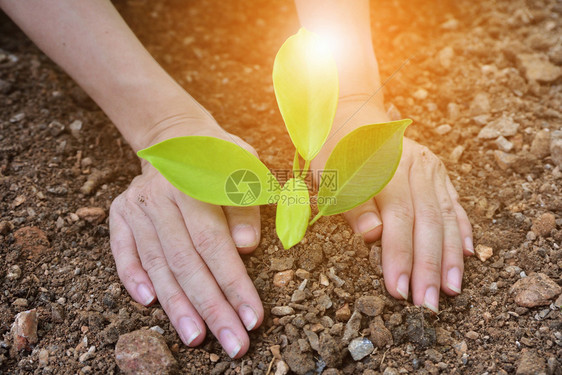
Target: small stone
[
  {"x": 481, "y": 119},
  {"x": 370, "y": 305},
  {"x": 75, "y": 128},
  {"x": 503, "y": 144},
  {"x": 329, "y": 350},
  {"x": 480, "y": 105},
  {"x": 282, "y": 368},
  {"x": 343, "y": 313},
  {"x": 157, "y": 329},
  {"x": 456, "y": 154},
  {"x": 352, "y": 327},
  {"x": 298, "y": 296},
  {"x": 544, "y": 224},
  {"x": 93, "y": 215},
  {"x": 281, "y": 279},
  {"x": 460, "y": 348},
  {"x": 282, "y": 310},
  {"x": 6, "y": 227},
  {"x": 144, "y": 352},
  {"x": 5, "y": 87},
  {"x": 536, "y": 67},
  {"x": 24, "y": 330},
  {"x": 556, "y": 147},
  {"x": 540, "y": 147},
  {"x": 483, "y": 252},
  {"x": 32, "y": 240},
  {"x": 420, "y": 94},
  {"x": 360, "y": 347},
  {"x": 302, "y": 274},
  {"x": 380, "y": 335},
  {"x": 14, "y": 273},
  {"x": 504, "y": 160},
  {"x": 20, "y": 302},
  {"x": 375, "y": 259},
  {"x": 281, "y": 264},
  {"x": 214, "y": 357},
  {"x": 17, "y": 117},
  {"x": 446, "y": 56},
  {"x": 43, "y": 357},
  {"x": 299, "y": 362},
  {"x": 433, "y": 355},
  {"x": 535, "y": 290},
  {"x": 451, "y": 24},
  {"x": 504, "y": 126},
  {"x": 531, "y": 364},
  {"x": 453, "y": 111},
  {"x": 323, "y": 279},
  {"x": 275, "y": 351},
  {"x": 88, "y": 355},
  {"x": 443, "y": 129},
  {"x": 472, "y": 335},
  {"x": 57, "y": 313}
]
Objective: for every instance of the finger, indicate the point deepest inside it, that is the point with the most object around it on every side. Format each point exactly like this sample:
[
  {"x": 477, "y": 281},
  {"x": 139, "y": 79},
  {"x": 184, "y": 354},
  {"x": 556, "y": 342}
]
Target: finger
[
  {"x": 465, "y": 227},
  {"x": 428, "y": 230},
  {"x": 180, "y": 310},
  {"x": 244, "y": 224},
  {"x": 397, "y": 215},
  {"x": 452, "y": 263},
  {"x": 210, "y": 236},
  {"x": 365, "y": 220},
  {"x": 129, "y": 267}
]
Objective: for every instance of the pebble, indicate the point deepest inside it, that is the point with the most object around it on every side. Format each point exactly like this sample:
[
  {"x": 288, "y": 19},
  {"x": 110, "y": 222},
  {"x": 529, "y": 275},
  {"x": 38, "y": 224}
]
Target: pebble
[
  {"x": 360, "y": 347},
  {"x": 505, "y": 160},
  {"x": 144, "y": 352},
  {"x": 14, "y": 273},
  {"x": 472, "y": 335},
  {"x": 299, "y": 362},
  {"x": 483, "y": 252},
  {"x": 281, "y": 279},
  {"x": 343, "y": 313},
  {"x": 214, "y": 357},
  {"x": 443, "y": 129},
  {"x": 480, "y": 105},
  {"x": 446, "y": 56},
  {"x": 281, "y": 264},
  {"x": 370, "y": 305},
  {"x": 380, "y": 335},
  {"x": 460, "y": 348},
  {"x": 88, "y": 355},
  {"x": 302, "y": 274},
  {"x": 531, "y": 364},
  {"x": 503, "y": 144},
  {"x": 352, "y": 327},
  {"x": 329, "y": 350},
  {"x": 544, "y": 224},
  {"x": 24, "y": 330},
  {"x": 504, "y": 126},
  {"x": 298, "y": 296},
  {"x": 282, "y": 368},
  {"x": 556, "y": 147},
  {"x": 75, "y": 128},
  {"x": 6, "y": 227},
  {"x": 535, "y": 290},
  {"x": 5, "y": 87},
  {"x": 17, "y": 117},
  {"x": 93, "y": 215},
  {"x": 323, "y": 279},
  {"x": 20, "y": 302},
  {"x": 282, "y": 310},
  {"x": 32, "y": 240},
  {"x": 433, "y": 355},
  {"x": 421, "y": 94},
  {"x": 537, "y": 67},
  {"x": 275, "y": 351},
  {"x": 540, "y": 147},
  {"x": 453, "y": 111},
  {"x": 456, "y": 154},
  {"x": 157, "y": 329}
]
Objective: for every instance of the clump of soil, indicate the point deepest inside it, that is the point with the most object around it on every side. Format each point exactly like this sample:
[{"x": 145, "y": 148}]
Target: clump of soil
[{"x": 483, "y": 84}]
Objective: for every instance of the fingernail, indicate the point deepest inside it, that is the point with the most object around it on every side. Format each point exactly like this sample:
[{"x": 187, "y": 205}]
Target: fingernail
[
  {"x": 454, "y": 279},
  {"x": 367, "y": 222},
  {"x": 230, "y": 342},
  {"x": 248, "y": 316},
  {"x": 145, "y": 294},
  {"x": 431, "y": 299},
  {"x": 244, "y": 235},
  {"x": 189, "y": 330},
  {"x": 403, "y": 285},
  {"x": 468, "y": 245}
]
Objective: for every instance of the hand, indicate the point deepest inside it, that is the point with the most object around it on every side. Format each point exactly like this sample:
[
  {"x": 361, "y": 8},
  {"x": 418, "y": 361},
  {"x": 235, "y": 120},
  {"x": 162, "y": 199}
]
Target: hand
[
  {"x": 424, "y": 229},
  {"x": 183, "y": 252}
]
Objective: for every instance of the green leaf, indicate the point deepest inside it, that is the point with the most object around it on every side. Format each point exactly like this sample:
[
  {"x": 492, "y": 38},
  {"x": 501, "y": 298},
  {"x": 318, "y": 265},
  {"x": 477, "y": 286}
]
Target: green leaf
[
  {"x": 360, "y": 166},
  {"x": 213, "y": 170},
  {"x": 305, "y": 79},
  {"x": 293, "y": 212}
]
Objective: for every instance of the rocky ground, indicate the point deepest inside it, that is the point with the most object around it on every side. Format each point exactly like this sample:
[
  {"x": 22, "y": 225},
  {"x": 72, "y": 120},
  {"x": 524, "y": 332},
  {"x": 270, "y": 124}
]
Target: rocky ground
[{"x": 483, "y": 84}]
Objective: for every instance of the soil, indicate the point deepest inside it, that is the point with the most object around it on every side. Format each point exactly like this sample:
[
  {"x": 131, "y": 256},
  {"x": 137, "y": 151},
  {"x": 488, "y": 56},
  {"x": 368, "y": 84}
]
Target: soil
[{"x": 460, "y": 63}]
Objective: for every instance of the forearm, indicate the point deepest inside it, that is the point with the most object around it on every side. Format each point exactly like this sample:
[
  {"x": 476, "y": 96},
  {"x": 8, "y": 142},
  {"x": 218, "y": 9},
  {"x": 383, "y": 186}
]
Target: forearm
[
  {"x": 346, "y": 25},
  {"x": 93, "y": 44}
]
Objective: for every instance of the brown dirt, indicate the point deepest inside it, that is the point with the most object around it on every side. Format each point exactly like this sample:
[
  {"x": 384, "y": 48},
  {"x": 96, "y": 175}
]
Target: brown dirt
[{"x": 222, "y": 52}]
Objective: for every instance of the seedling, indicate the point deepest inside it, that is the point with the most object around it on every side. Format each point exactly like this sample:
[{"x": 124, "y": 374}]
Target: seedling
[{"x": 305, "y": 80}]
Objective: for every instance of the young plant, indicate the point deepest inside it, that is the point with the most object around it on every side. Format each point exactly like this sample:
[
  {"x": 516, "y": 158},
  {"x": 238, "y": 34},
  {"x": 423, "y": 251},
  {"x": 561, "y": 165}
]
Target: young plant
[{"x": 305, "y": 80}]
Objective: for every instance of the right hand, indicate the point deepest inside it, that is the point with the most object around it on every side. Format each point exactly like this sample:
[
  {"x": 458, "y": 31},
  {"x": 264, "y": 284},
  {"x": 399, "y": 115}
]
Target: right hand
[{"x": 183, "y": 252}]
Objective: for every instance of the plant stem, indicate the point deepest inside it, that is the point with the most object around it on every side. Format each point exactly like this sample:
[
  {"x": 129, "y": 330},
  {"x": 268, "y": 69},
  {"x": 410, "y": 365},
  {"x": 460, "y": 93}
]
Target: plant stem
[
  {"x": 304, "y": 171},
  {"x": 318, "y": 216},
  {"x": 296, "y": 164}
]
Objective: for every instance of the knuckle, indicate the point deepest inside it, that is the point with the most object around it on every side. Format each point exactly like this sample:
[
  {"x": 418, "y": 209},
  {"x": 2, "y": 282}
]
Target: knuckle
[
  {"x": 153, "y": 263},
  {"x": 210, "y": 309},
  {"x": 448, "y": 210},
  {"x": 431, "y": 263},
  {"x": 208, "y": 242},
  {"x": 430, "y": 216},
  {"x": 232, "y": 286},
  {"x": 402, "y": 211},
  {"x": 173, "y": 300},
  {"x": 182, "y": 265}
]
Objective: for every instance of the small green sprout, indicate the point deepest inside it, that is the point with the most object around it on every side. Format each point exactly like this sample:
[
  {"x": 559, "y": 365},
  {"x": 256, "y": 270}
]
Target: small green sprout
[{"x": 305, "y": 80}]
